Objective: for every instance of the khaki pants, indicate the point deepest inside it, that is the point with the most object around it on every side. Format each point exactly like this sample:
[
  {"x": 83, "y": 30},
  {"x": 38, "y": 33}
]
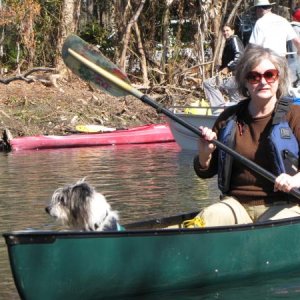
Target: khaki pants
[{"x": 229, "y": 212}]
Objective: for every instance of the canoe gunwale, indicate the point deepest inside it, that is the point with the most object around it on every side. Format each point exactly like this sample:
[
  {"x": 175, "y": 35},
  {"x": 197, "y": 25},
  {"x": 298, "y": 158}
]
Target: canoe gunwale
[{"x": 48, "y": 237}]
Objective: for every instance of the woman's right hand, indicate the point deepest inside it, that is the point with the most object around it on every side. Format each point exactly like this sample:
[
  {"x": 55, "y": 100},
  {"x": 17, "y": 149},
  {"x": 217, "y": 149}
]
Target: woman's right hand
[{"x": 205, "y": 146}]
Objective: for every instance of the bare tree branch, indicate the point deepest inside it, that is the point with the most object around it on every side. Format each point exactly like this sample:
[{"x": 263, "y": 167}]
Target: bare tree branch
[{"x": 26, "y": 74}]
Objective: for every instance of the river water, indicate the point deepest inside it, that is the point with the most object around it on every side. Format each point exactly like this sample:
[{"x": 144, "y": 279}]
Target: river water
[{"x": 140, "y": 181}]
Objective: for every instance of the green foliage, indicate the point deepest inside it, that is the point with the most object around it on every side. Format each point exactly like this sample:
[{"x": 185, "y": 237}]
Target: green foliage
[
  {"x": 97, "y": 35},
  {"x": 103, "y": 23},
  {"x": 9, "y": 59},
  {"x": 46, "y": 28}
]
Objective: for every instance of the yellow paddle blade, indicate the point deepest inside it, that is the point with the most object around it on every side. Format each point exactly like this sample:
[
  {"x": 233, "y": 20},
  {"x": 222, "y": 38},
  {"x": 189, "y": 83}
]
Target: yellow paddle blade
[{"x": 93, "y": 128}]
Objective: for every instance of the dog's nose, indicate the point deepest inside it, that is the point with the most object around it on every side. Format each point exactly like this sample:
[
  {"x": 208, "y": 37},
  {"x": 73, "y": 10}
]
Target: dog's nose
[{"x": 47, "y": 209}]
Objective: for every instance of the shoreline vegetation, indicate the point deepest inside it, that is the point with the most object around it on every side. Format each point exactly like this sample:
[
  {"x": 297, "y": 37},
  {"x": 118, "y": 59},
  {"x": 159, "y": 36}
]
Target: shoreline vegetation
[{"x": 33, "y": 108}]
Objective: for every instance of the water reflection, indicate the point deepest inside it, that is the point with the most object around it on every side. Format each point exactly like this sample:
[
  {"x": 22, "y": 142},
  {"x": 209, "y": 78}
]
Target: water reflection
[{"x": 137, "y": 180}]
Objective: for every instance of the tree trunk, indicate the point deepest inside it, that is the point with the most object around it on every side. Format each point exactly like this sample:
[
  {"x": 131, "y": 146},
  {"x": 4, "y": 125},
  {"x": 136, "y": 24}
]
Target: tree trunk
[
  {"x": 220, "y": 40},
  {"x": 143, "y": 57},
  {"x": 165, "y": 39},
  {"x": 69, "y": 23},
  {"x": 132, "y": 21}
]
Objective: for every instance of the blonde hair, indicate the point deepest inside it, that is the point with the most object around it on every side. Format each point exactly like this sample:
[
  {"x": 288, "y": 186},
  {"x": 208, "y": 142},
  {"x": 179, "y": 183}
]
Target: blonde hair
[{"x": 252, "y": 56}]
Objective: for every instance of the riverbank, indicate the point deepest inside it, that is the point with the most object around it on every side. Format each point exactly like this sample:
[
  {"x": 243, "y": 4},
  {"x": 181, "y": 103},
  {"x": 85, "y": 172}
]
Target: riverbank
[{"x": 34, "y": 108}]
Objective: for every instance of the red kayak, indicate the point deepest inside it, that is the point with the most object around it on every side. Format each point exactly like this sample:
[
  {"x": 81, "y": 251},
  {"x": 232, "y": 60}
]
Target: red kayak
[{"x": 152, "y": 133}]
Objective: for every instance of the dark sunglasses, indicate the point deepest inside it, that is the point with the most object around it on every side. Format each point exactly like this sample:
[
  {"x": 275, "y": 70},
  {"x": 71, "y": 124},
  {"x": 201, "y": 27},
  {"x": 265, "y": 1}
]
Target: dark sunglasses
[{"x": 270, "y": 76}]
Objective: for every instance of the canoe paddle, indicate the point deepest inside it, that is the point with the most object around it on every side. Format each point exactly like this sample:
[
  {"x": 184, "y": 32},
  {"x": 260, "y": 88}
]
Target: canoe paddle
[{"x": 91, "y": 65}]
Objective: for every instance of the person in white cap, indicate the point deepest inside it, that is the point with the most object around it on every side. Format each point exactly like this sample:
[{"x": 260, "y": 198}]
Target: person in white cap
[{"x": 271, "y": 30}]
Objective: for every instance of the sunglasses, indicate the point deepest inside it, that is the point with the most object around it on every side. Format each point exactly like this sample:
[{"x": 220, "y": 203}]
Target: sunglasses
[{"x": 270, "y": 76}]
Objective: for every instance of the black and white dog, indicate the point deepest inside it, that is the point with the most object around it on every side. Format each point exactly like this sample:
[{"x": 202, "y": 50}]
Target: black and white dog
[{"x": 80, "y": 207}]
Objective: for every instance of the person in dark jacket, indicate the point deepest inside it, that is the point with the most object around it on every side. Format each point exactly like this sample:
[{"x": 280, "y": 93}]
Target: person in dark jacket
[
  {"x": 263, "y": 128},
  {"x": 232, "y": 52}
]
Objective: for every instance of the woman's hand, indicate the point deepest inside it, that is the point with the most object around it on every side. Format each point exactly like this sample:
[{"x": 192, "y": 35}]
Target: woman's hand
[
  {"x": 286, "y": 183},
  {"x": 205, "y": 146}
]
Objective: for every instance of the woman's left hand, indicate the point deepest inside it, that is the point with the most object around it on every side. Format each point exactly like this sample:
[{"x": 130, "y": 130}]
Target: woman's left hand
[{"x": 286, "y": 183}]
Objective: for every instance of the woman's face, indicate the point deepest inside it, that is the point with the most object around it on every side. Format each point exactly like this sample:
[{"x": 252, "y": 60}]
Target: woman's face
[
  {"x": 227, "y": 32},
  {"x": 262, "y": 81}
]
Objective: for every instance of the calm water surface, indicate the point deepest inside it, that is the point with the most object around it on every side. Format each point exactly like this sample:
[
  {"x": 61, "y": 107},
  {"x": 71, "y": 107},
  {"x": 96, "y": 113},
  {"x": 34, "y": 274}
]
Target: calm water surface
[{"x": 141, "y": 182}]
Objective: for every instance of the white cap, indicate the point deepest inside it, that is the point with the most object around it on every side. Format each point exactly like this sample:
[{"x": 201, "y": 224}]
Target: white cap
[{"x": 262, "y": 3}]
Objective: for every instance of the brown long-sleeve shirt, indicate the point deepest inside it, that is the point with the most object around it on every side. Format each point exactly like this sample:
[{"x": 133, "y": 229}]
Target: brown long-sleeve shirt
[{"x": 251, "y": 142}]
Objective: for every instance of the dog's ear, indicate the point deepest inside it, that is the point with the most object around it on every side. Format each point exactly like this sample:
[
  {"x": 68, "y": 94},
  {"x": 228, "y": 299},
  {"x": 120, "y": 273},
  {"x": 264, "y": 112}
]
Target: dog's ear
[
  {"x": 83, "y": 190},
  {"x": 80, "y": 200}
]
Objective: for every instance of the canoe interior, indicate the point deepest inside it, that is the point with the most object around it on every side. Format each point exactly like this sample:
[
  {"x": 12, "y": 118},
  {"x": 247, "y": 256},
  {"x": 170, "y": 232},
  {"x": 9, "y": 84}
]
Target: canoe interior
[
  {"x": 158, "y": 226},
  {"x": 161, "y": 223}
]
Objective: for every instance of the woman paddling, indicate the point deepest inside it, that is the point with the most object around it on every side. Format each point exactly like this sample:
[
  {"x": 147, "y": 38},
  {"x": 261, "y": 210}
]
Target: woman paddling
[{"x": 262, "y": 129}]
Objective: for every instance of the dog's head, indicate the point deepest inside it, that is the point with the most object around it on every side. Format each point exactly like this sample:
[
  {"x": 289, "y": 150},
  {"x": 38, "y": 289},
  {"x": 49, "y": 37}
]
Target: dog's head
[{"x": 80, "y": 207}]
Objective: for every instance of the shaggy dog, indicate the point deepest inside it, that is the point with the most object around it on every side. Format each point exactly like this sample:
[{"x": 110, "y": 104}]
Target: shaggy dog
[{"x": 82, "y": 208}]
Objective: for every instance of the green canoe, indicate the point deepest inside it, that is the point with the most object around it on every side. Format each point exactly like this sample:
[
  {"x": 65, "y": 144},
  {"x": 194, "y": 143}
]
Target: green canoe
[{"x": 150, "y": 256}]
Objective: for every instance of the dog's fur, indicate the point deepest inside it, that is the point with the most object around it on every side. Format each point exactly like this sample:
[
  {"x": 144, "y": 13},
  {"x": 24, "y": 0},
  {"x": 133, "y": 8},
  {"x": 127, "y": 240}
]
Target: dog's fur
[{"x": 82, "y": 208}]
